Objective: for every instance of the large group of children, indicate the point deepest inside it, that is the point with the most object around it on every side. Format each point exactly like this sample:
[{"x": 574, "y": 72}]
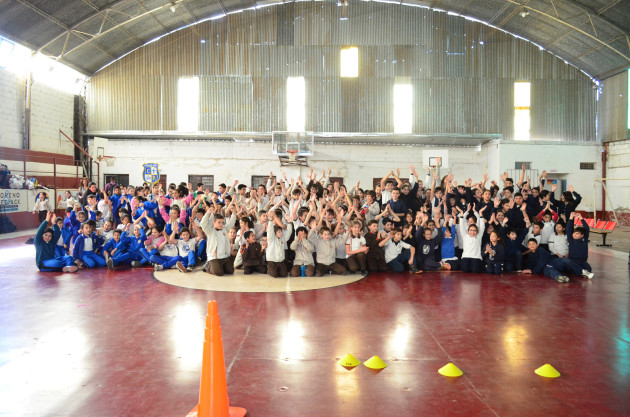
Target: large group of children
[{"x": 311, "y": 227}]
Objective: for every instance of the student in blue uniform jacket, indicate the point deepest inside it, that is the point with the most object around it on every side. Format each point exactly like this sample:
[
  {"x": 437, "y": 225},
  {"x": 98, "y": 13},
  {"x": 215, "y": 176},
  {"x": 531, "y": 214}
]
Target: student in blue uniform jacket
[
  {"x": 540, "y": 262},
  {"x": 45, "y": 242},
  {"x": 128, "y": 250},
  {"x": 85, "y": 247}
]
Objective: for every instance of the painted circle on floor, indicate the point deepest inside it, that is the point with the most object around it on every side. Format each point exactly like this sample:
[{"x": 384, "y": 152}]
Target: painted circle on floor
[{"x": 239, "y": 282}]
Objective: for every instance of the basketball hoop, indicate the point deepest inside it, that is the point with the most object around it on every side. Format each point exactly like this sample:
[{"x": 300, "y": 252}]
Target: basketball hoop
[
  {"x": 109, "y": 160},
  {"x": 292, "y": 154}
]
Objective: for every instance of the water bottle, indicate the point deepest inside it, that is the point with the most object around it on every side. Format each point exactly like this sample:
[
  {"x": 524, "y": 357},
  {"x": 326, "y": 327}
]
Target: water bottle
[{"x": 303, "y": 271}]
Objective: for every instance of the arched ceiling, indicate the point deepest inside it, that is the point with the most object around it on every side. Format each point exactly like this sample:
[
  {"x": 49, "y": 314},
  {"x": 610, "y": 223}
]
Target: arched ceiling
[{"x": 593, "y": 35}]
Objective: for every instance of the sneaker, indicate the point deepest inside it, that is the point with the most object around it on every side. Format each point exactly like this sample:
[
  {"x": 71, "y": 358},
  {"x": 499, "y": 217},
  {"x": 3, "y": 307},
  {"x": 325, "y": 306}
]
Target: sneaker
[
  {"x": 71, "y": 268},
  {"x": 106, "y": 256},
  {"x": 587, "y": 274},
  {"x": 412, "y": 269},
  {"x": 364, "y": 273},
  {"x": 158, "y": 267},
  {"x": 181, "y": 267},
  {"x": 135, "y": 264},
  {"x": 562, "y": 278},
  {"x": 189, "y": 269},
  {"x": 110, "y": 263}
]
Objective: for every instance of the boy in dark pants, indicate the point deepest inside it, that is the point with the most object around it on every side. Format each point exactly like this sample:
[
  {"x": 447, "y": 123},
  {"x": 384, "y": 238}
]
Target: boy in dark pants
[
  {"x": 577, "y": 237},
  {"x": 252, "y": 255},
  {"x": 45, "y": 242},
  {"x": 540, "y": 262}
]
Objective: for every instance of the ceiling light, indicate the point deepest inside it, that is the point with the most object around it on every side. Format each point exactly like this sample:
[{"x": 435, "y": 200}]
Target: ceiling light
[
  {"x": 524, "y": 13},
  {"x": 173, "y": 4}
]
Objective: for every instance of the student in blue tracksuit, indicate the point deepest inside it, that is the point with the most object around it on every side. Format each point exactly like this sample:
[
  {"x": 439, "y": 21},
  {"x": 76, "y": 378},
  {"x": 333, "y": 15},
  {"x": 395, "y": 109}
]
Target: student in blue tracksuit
[
  {"x": 144, "y": 206},
  {"x": 61, "y": 247},
  {"x": 168, "y": 256},
  {"x": 45, "y": 242},
  {"x": 447, "y": 248},
  {"x": 85, "y": 247},
  {"x": 186, "y": 246},
  {"x": 109, "y": 248},
  {"x": 128, "y": 250}
]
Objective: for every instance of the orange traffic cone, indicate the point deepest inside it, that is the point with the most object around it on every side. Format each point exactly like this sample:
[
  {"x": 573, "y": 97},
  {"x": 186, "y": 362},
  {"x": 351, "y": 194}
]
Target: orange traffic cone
[{"x": 213, "y": 396}]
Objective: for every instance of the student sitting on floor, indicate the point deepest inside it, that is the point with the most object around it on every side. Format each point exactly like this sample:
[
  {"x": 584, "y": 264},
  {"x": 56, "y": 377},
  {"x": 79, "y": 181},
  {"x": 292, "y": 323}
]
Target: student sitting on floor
[
  {"x": 252, "y": 252},
  {"x": 356, "y": 250},
  {"x": 471, "y": 239},
  {"x": 151, "y": 244},
  {"x": 85, "y": 246},
  {"x": 276, "y": 240},
  {"x": 186, "y": 247},
  {"x": 449, "y": 257},
  {"x": 577, "y": 237},
  {"x": 326, "y": 248},
  {"x": 168, "y": 256},
  {"x": 558, "y": 243},
  {"x": 539, "y": 263},
  {"x": 426, "y": 246},
  {"x": 303, "y": 250},
  {"x": 45, "y": 242},
  {"x": 109, "y": 248},
  {"x": 495, "y": 252},
  {"x": 376, "y": 255},
  {"x": 128, "y": 250},
  {"x": 398, "y": 254},
  {"x": 218, "y": 243}
]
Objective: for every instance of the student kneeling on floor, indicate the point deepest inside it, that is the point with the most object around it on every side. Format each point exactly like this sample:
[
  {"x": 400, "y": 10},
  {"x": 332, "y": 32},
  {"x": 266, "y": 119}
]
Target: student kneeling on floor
[{"x": 45, "y": 242}]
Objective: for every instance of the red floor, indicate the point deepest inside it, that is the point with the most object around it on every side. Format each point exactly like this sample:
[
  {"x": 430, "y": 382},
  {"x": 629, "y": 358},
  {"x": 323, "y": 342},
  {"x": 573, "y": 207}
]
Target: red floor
[{"x": 104, "y": 343}]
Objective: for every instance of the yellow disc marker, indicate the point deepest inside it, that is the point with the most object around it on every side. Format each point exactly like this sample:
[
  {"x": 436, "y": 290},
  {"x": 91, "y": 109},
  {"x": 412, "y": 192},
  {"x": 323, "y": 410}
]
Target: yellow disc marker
[
  {"x": 450, "y": 370},
  {"x": 375, "y": 363},
  {"x": 349, "y": 361},
  {"x": 547, "y": 371}
]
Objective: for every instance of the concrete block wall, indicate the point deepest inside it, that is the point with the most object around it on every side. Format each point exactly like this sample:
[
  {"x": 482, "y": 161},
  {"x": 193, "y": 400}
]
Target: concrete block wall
[
  {"x": 51, "y": 110},
  {"x": 12, "y": 109}
]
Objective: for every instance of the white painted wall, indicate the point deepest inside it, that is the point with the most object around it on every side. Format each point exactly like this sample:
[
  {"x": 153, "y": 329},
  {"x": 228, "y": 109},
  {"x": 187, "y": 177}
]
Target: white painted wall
[
  {"x": 51, "y": 110},
  {"x": 228, "y": 161},
  {"x": 618, "y": 166}
]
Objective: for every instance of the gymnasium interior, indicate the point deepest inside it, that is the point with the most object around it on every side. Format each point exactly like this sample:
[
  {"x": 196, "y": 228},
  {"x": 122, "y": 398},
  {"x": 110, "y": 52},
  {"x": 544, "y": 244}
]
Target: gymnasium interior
[{"x": 241, "y": 91}]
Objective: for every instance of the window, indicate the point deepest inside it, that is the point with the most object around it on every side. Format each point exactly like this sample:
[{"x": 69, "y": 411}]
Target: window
[
  {"x": 587, "y": 165},
  {"x": 349, "y": 62},
  {"x": 521, "y": 110},
  {"x": 403, "y": 108},
  {"x": 121, "y": 179},
  {"x": 333, "y": 180},
  {"x": 296, "y": 99},
  {"x": 188, "y": 104},
  {"x": 262, "y": 180},
  {"x": 519, "y": 165},
  {"x": 206, "y": 180}
]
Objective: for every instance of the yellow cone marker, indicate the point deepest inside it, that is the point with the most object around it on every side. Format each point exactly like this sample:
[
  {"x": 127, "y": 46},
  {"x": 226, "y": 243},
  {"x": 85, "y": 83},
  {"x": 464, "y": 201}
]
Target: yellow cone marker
[
  {"x": 450, "y": 370},
  {"x": 547, "y": 371},
  {"x": 349, "y": 361},
  {"x": 375, "y": 363}
]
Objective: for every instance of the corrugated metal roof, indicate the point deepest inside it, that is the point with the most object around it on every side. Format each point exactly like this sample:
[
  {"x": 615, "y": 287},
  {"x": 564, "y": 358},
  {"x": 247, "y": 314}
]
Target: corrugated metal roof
[{"x": 593, "y": 35}]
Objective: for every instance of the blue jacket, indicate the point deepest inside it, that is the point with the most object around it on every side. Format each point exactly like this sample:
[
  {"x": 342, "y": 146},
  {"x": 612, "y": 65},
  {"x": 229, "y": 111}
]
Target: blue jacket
[
  {"x": 578, "y": 248},
  {"x": 536, "y": 261},
  {"x": 130, "y": 243},
  {"x": 110, "y": 245},
  {"x": 499, "y": 253},
  {"x": 77, "y": 251},
  {"x": 66, "y": 233},
  {"x": 43, "y": 250},
  {"x": 448, "y": 244}
]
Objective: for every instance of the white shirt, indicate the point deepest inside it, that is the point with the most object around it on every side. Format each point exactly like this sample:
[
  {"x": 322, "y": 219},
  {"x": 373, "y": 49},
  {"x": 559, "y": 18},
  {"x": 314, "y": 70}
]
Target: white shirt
[
  {"x": 471, "y": 245},
  {"x": 547, "y": 231},
  {"x": 186, "y": 247},
  {"x": 558, "y": 244},
  {"x": 88, "y": 246},
  {"x": 355, "y": 243},
  {"x": 393, "y": 249},
  {"x": 169, "y": 250}
]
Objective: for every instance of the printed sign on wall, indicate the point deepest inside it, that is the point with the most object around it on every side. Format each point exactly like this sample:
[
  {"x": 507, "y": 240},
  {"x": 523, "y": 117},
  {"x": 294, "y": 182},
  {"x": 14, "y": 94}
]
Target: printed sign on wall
[{"x": 12, "y": 201}]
